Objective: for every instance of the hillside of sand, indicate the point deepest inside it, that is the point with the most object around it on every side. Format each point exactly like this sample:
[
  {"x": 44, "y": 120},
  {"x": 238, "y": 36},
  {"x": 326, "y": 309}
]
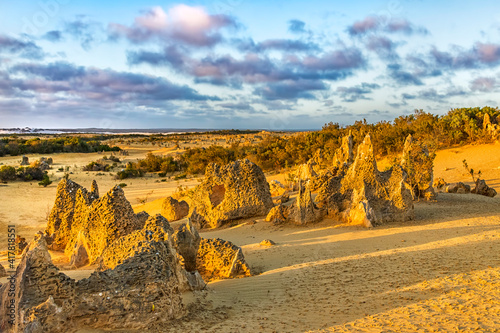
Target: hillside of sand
[{"x": 440, "y": 272}]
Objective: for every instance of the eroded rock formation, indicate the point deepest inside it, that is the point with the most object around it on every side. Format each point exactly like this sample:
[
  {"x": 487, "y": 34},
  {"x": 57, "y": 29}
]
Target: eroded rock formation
[
  {"x": 361, "y": 194},
  {"x": 102, "y": 222},
  {"x": 483, "y": 189},
  {"x": 234, "y": 191},
  {"x": 61, "y": 216},
  {"x": 304, "y": 211},
  {"x": 345, "y": 153},
  {"x": 418, "y": 164},
  {"x": 174, "y": 210},
  {"x": 140, "y": 291},
  {"x": 277, "y": 215},
  {"x": 218, "y": 258},
  {"x": 276, "y": 188}
]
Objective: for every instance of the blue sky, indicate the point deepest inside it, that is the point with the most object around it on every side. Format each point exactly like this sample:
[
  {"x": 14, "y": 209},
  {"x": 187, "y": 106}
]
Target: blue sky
[{"x": 242, "y": 64}]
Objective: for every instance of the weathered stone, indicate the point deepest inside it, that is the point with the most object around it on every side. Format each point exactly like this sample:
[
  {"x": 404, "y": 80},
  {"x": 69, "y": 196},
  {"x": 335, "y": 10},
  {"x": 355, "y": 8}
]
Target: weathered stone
[
  {"x": 141, "y": 291},
  {"x": 20, "y": 244},
  {"x": 483, "y": 189},
  {"x": 304, "y": 211},
  {"x": 267, "y": 242},
  {"x": 276, "y": 188},
  {"x": 306, "y": 171},
  {"x": 3, "y": 272},
  {"x": 277, "y": 214},
  {"x": 61, "y": 215},
  {"x": 186, "y": 241},
  {"x": 25, "y": 160},
  {"x": 344, "y": 154},
  {"x": 459, "y": 188},
  {"x": 218, "y": 259},
  {"x": 440, "y": 184},
  {"x": 94, "y": 191},
  {"x": 105, "y": 220},
  {"x": 79, "y": 255},
  {"x": 36, "y": 280},
  {"x": 418, "y": 164},
  {"x": 142, "y": 217},
  {"x": 234, "y": 191},
  {"x": 174, "y": 210},
  {"x": 363, "y": 195},
  {"x": 285, "y": 197}
]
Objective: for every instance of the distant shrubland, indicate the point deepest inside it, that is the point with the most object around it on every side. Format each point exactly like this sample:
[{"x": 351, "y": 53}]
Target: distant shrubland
[{"x": 13, "y": 145}]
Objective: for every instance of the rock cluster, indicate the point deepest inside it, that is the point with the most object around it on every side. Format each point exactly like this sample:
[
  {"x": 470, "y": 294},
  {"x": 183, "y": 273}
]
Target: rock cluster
[
  {"x": 234, "y": 191},
  {"x": 174, "y": 210},
  {"x": 142, "y": 290},
  {"x": 221, "y": 259},
  {"x": 144, "y": 265},
  {"x": 483, "y": 189},
  {"x": 459, "y": 188},
  {"x": 361, "y": 194},
  {"x": 418, "y": 164}
]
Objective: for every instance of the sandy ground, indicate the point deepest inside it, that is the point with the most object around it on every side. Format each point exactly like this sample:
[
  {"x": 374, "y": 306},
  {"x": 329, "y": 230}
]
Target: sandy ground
[{"x": 439, "y": 273}]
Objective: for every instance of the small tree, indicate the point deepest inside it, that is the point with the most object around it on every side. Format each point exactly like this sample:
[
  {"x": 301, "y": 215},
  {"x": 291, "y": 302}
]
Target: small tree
[{"x": 475, "y": 176}]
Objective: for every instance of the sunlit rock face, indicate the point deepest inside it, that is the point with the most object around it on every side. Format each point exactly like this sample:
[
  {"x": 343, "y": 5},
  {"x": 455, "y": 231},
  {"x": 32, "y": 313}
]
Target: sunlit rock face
[
  {"x": 361, "y": 194},
  {"x": 234, "y": 191}
]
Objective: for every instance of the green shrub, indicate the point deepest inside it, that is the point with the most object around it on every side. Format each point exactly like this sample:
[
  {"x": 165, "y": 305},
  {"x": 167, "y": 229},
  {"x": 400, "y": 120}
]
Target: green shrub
[
  {"x": 46, "y": 181},
  {"x": 7, "y": 173}
]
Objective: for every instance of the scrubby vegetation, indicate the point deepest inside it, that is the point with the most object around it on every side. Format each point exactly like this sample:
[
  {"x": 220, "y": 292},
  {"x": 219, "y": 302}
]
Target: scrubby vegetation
[
  {"x": 14, "y": 146},
  {"x": 9, "y": 173}
]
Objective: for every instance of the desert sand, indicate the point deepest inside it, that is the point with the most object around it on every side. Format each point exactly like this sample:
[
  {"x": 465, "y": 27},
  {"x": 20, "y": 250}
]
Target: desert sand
[{"x": 438, "y": 273}]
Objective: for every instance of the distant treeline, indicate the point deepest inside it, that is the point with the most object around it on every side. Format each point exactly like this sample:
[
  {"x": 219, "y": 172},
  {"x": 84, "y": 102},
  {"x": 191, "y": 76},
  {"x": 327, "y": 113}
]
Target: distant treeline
[{"x": 14, "y": 145}]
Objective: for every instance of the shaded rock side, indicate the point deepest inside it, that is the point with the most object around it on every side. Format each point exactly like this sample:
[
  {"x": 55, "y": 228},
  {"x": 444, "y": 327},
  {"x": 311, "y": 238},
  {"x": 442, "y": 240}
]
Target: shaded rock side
[
  {"x": 364, "y": 195},
  {"x": 186, "y": 241},
  {"x": 43, "y": 297},
  {"x": 234, "y": 191},
  {"x": 345, "y": 153},
  {"x": 304, "y": 211},
  {"x": 418, "y": 164},
  {"x": 174, "y": 210},
  {"x": 141, "y": 291},
  {"x": 220, "y": 259},
  {"x": 25, "y": 160},
  {"x": 483, "y": 189}
]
